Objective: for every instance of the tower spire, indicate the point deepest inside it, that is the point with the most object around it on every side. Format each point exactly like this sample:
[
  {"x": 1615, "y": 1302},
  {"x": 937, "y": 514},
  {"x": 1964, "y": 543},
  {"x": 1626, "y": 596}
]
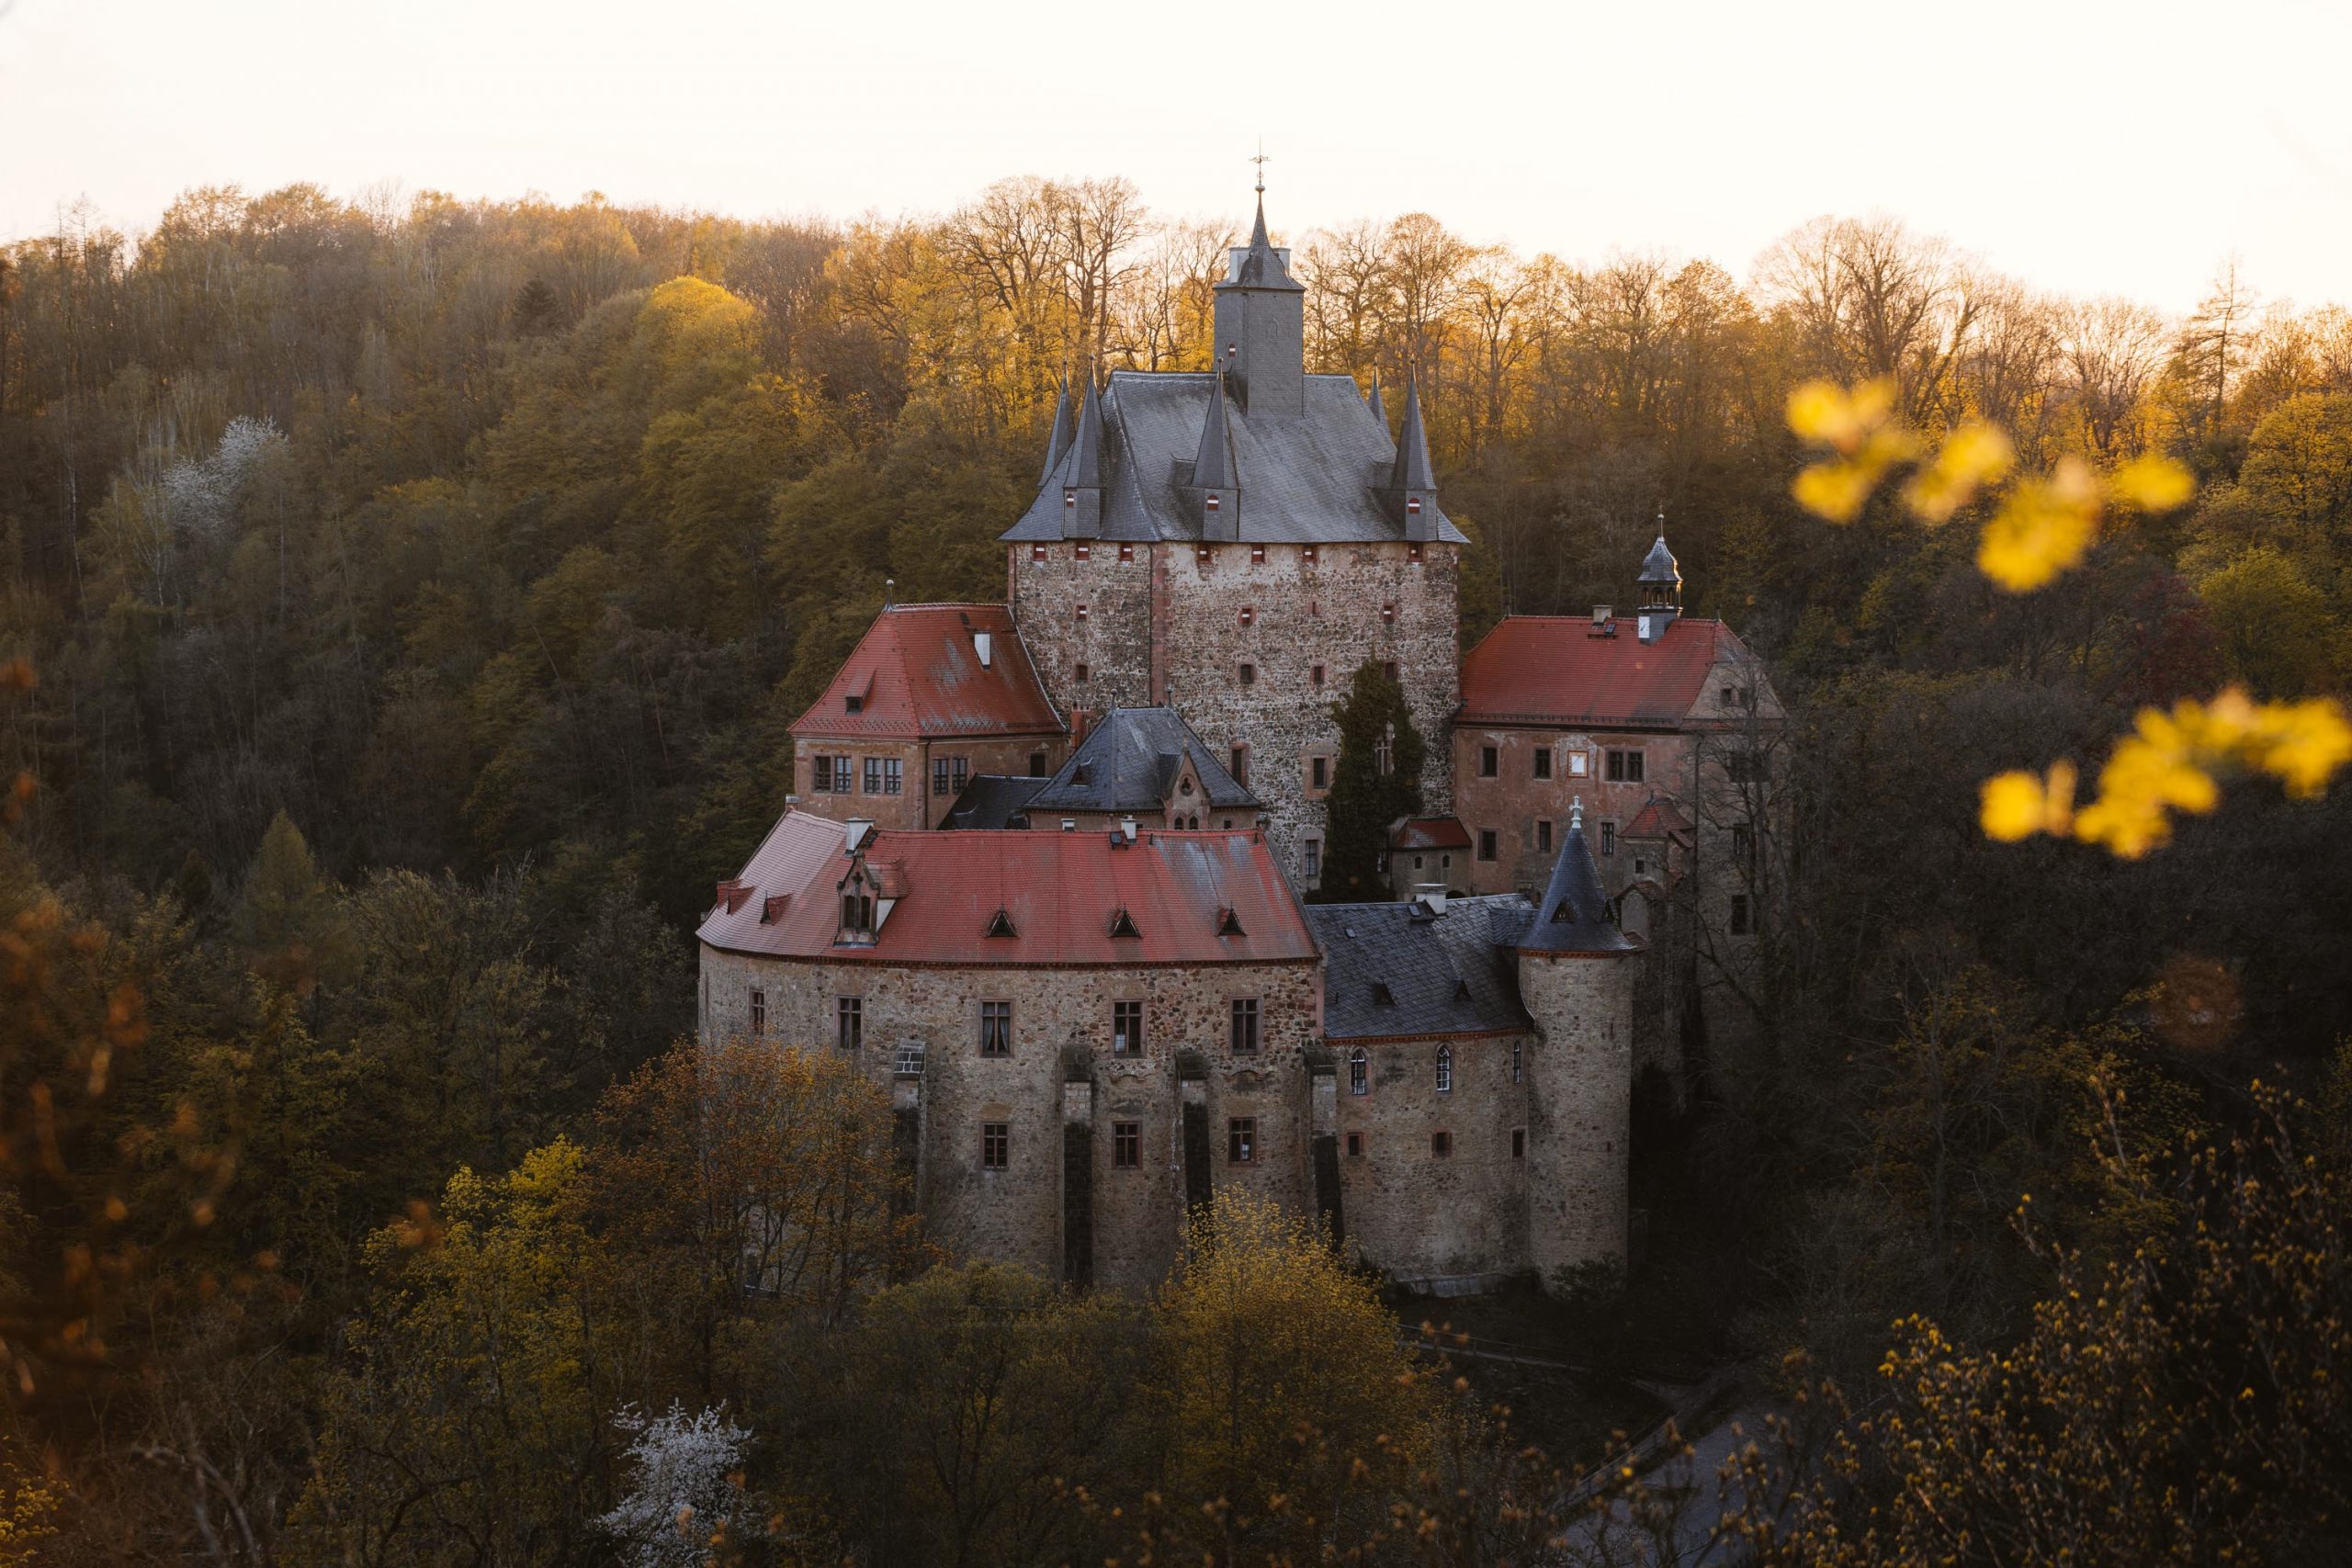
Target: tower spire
[
  {"x": 1378, "y": 413},
  {"x": 1213, "y": 467},
  {"x": 1059, "y": 442},
  {"x": 1412, "y": 471}
]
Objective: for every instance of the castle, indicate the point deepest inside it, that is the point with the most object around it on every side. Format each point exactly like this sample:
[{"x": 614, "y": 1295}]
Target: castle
[{"x": 1045, "y": 866}]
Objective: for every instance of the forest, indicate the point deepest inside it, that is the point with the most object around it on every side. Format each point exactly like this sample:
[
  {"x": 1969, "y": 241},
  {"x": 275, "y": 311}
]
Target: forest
[{"x": 401, "y": 605}]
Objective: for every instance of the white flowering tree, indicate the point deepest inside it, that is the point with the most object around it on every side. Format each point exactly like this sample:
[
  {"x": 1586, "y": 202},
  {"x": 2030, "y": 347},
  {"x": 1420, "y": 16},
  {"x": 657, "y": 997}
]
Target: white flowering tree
[{"x": 680, "y": 1493}]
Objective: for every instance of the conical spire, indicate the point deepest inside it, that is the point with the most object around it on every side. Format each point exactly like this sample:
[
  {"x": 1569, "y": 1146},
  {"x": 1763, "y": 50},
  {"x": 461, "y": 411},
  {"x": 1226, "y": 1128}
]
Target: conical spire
[
  {"x": 1058, "y": 442},
  {"x": 1573, "y": 914},
  {"x": 1412, "y": 469},
  {"x": 1378, "y": 413},
  {"x": 1258, "y": 239},
  {"x": 1088, "y": 473},
  {"x": 1213, "y": 467}
]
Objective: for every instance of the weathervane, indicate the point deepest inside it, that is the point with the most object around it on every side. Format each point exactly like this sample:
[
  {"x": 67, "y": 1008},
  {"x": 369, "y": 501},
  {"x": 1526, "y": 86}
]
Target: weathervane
[{"x": 1260, "y": 161}]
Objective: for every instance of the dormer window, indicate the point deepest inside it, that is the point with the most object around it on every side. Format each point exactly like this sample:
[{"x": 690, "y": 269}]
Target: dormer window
[
  {"x": 1123, "y": 924},
  {"x": 1209, "y": 503},
  {"x": 857, "y": 914},
  {"x": 1228, "y": 923},
  {"x": 1070, "y": 501},
  {"x": 1381, "y": 997},
  {"x": 1563, "y": 915},
  {"x": 1000, "y": 924},
  {"x": 1413, "y": 509},
  {"x": 854, "y": 703}
]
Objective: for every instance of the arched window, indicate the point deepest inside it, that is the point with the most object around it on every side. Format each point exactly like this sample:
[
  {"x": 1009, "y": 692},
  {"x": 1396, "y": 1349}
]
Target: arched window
[
  {"x": 1359, "y": 1072},
  {"x": 1518, "y": 1061},
  {"x": 1445, "y": 1069}
]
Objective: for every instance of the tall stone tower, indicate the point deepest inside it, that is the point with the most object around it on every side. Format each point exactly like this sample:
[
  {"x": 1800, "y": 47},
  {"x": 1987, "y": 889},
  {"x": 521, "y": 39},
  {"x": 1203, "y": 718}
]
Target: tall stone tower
[{"x": 1576, "y": 979}]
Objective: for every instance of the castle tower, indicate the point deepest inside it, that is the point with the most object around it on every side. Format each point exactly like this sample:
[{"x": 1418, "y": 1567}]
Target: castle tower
[
  {"x": 1661, "y": 589},
  {"x": 1261, "y": 326},
  {"x": 1576, "y": 979}
]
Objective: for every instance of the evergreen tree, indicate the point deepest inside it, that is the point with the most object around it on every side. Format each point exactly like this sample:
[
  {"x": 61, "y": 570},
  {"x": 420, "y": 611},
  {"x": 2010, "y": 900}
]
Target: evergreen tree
[{"x": 1378, "y": 780}]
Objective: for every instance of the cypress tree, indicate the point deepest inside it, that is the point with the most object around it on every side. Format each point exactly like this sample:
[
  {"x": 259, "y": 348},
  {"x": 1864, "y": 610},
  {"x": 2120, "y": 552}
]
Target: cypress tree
[{"x": 1365, "y": 797}]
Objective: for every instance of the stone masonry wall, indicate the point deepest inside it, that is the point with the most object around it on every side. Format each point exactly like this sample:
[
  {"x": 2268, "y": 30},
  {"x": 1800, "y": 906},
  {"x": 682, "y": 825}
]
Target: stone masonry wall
[
  {"x": 1512, "y": 802},
  {"x": 1581, "y": 1107},
  {"x": 1411, "y": 1212},
  {"x": 1113, "y": 640},
  {"x": 1015, "y": 1216}
]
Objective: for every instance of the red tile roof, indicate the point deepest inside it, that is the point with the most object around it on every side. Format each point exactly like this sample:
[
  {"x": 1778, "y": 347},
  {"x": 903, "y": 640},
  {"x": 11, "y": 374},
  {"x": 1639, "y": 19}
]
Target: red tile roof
[
  {"x": 1658, "y": 818},
  {"x": 1552, "y": 669},
  {"x": 1430, "y": 833},
  {"x": 798, "y": 847},
  {"x": 917, "y": 673},
  {"x": 1061, "y": 892}
]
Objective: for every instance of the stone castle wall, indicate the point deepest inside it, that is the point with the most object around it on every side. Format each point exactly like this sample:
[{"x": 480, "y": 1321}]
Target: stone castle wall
[
  {"x": 1419, "y": 1214},
  {"x": 1580, "y": 1110}
]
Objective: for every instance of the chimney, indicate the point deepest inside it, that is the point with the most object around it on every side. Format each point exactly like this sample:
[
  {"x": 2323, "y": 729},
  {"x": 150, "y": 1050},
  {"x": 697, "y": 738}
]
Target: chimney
[
  {"x": 983, "y": 643},
  {"x": 1127, "y": 827},
  {"x": 859, "y": 829}
]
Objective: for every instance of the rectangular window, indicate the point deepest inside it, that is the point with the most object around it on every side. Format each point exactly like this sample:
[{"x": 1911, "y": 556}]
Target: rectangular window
[
  {"x": 1413, "y": 552},
  {"x": 849, "y": 1014},
  {"x": 759, "y": 1010},
  {"x": 1389, "y": 668},
  {"x": 1608, "y": 837},
  {"x": 1037, "y": 552},
  {"x": 1489, "y": 761},
  {"x": 1126, "y": 552},
  {"x": 874, "y": 775},
  {"x": 1741, "y": 920},
  {"x": 1576, "y": 764},
  {"x": 1245, "y": 1026},
  {"x": 1318, "y": 772},
  {"x": 1355, "y": 1145},
  {"x": 1315, "y": 675},
  {"x": 1240, "y": 768},
  {"x": 1743, "y": 843},
  {"x": 1543, "y": 755},
  {"x": 1257, "y": 555},
  {"x": 1485, "y": 844},
  {"x": 1359, "y": 1072},
  {"x": 1542, "y": 837},
  {"x": 1037, "y": 764},
  {"x": 1306, "y": 556},
  {"x": 996, "y": 1029},
  {"x": 893, "y": 775},
  {"x": 996, "y": 1145},
  {"x": 1127, "y": 1029},
  {"x": 1624, "y": 767},
  {"x": 820, "y": 775},
  {"x": 959, "y": 772},
  {"x": 1519, "y": 1142},
  {"x": 1241, "y": 1139},
  {"x": 1441, "y": 1145},
  {"x": 1127, "y": 1145},
  {"x": 939, "y": 775},
  {"x": 1082, "y": 550},
  {"x": 1311, "y": 858}
]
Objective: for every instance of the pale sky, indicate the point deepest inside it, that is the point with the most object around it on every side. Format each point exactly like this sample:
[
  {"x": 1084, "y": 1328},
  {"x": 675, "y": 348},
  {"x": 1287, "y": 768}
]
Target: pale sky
[{"x": 2086, "y": 148}]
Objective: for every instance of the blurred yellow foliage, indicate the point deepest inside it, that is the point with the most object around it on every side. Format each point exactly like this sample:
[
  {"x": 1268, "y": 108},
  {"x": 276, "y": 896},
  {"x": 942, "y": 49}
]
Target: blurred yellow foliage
[
  {"x": 2043, "y": 529},
  {"x": 1974, "y": 456},
  {"x": 1860, "y": 428},
  {"x": 2170, "y": 763}
]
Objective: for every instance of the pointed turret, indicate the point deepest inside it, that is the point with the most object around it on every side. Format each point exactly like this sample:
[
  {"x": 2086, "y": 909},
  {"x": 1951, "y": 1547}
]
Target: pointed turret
[
  {"x": 1059, "y": 442},
  {"x": 1215, "y": 472},
  {"x": 1661, "y": 588},
  {"x": 1412, "y": 487},
  {"x": 1261, "y": 326},
  {"x": 1083, "y": 487},
  {"x": 1573, "y": 915},
  {"x": 1378, "y": 413}
]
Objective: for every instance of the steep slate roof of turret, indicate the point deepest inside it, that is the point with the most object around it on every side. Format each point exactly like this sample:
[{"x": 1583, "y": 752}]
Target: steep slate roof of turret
[
  {"x": 1059, "y": 442},
  {"x": 916, "y": 672},
  {"x": 1082, "y": 465},
  {"x": 1573, "y": 915},
  {"x": 1059, "y": 892},
  {"x": 1263, "y": 265},
  {"x": 1660, "y": 565},
  {"x": 1213, "y": 465},
  {"x": 1317, "y": 479},
  {"x": 1552, "y": 669},
  {"x": 1411, "y": 469},
  {"x": 1372, "y": 402},
  {"x": 1128, "y": 762},
  {"x": 1394, "y": 971}
]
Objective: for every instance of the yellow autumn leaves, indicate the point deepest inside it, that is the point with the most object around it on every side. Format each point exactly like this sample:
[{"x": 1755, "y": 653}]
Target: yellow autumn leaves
[
  {"x": 2169, "y": 763},
  {"x": 2044, "y": 523},
  {"x": 2042, "y": 528}
]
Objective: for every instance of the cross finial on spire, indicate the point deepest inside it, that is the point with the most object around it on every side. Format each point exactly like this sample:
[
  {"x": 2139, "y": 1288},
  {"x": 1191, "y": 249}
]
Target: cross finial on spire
[{"x": 1260, "y": 161}]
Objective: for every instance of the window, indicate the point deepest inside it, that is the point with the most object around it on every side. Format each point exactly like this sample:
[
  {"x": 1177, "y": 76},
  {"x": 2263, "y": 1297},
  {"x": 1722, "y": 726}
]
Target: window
[
  {"x": 1126, "y": 552},
  {"x": 1577, "y": 763},
  {"x": 1355, "y": 1145},
  {"x": 1127, "y": 1145},
  {"x": 1127, "y": 1029},
  {"x": 1384, "y": 751},
  {"x": 1082, "y": 673},
  {"x": 1440, "y": 1145},
  {"x": 1249, "y": 614},
  {"x": 874, "y": 775},
  {"x": 894, "y": 776},
  {"x": 820, "y": 775},
  {"x": 1359, "y": 1072},
  {"x": 1241, "y": 765},
  {"x": 854, "y": 703},
  {"x": 1081, "y": 611},
  {"x": 1318, "y": 772},
  {"x": 1542, "y": 837},
  {"x": 759, "y": 1010},
  {"x": 1413, "y": 552},
  {"x": 1485, "y": 844},
  {"x": 1388, "y": 668},
  {"x": 1257, "y": 555},
  {"x": 1082, "y": 550},
  {"x": 1445, "y": 1069},
  {"x": 1315, "y": 675},
  {"x": 1241, "y": 1139},
  {"x": 1624, "y": 767},
  {"x": 857, "y": 916},
  {"x": 1519, "y": 1142},
  {"x": 1037, "y": 764},
  {"x": 996, "y": 1145},
  {"x": 1306, "y": 556},
  {"x": 1518, "y": 1061},
  {"x": 1245, "y": 1026},
  {"x": 1731, "y": 696},
  {"x": 1542, "y": 759},
  {"x": 1742, "y": 923},
  {"x": 939, "y": 775},
  {"x": 849, "y": 1029},
  {"x": 1489, "y": 761},
  {"x": 1388, "y": 615},
  {"x": 1248, "y": 674},
  {"x": 1311, "y": 858},
  {"x": 1200, "y": 555},
  {"x": 996, "y": 1029},
  {"x": 1608, "y": 837},
  {"x": 1037, "y": 552},
  {"x": 1743, "y": 843}
]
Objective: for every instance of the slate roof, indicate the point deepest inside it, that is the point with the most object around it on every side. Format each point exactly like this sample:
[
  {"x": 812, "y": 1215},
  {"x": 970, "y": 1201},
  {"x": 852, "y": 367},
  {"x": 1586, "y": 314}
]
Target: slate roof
[
  {"x": 1660, "y": 565},
  {"x": 1446, "y": 974},
  {"x": 1317, "y": 479},
  {"x": 1059, "y": 891},
  {"x": 917, "y": 674},
  {"x": 1552, "y": 669},
  {"x": 1573, "y": 915},
  {"x": 1128, "y": 762},
  {"x": 990, "y": 801},
  {"x": 785, "y": 865}
]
